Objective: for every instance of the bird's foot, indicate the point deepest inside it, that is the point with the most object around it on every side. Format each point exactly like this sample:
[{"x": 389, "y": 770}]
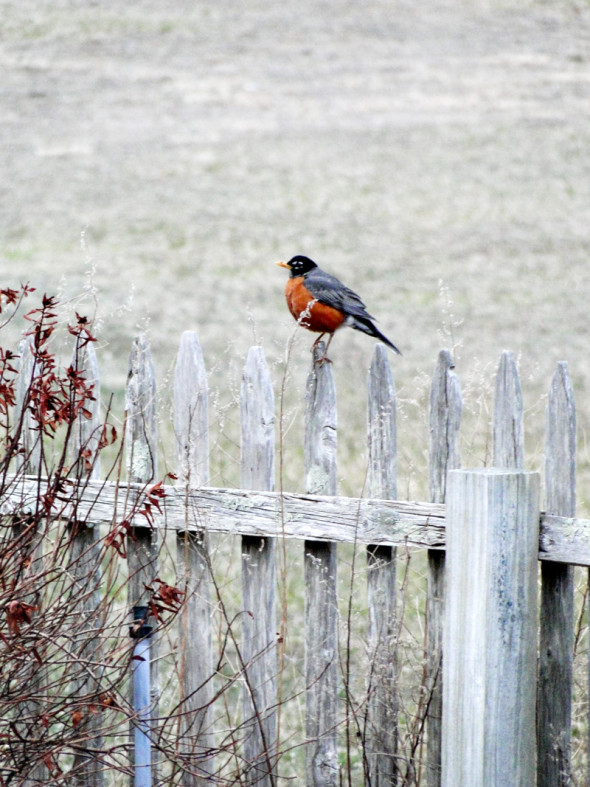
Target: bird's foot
[{"x": 323, "y": 359}]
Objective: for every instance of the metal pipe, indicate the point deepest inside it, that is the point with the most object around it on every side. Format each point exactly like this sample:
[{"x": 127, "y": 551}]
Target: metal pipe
[{"x": 141, "y": 632}]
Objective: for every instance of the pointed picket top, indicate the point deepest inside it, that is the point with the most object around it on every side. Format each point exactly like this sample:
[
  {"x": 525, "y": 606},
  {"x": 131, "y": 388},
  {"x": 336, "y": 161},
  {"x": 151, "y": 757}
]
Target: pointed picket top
[
  {"x": 560, "y": 445},
  {"x": 258, "y": 423},
  {"x": 382, "y": 472},
  {"x": 140, "y": 406},
  {"x": 30, "y": 437},
  {"x": 191, "y": 412},
  {"x": 87, "y": 430},
  {"x": 320, "y": 427},
  {"x": 508, "y": 423},
  {"x": 444, "y": 422}
]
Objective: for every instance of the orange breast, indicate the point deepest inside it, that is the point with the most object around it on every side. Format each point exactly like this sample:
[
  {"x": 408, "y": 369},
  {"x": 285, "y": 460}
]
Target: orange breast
[{"x": 316, "y": 316}]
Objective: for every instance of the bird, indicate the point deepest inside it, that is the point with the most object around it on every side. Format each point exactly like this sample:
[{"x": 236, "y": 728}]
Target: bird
[{"x": 322, "y": 304}]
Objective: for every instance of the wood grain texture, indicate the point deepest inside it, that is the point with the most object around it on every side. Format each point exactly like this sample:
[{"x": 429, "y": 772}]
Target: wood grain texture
[
  {"x": 191, "y": 413},
  {"x": 85, "y": 568},
  {"x": 191, "y": 431},
  {"x": 239, "y": 512},
  {"x": 443, "y": 455},
  {"x": 382, "y": 734},
  {"x": 508, "y": 422},
  {"x": 490, "y": 628},
  {"x": 259, "y": 624},
  {"x": 141, "y": 464},
  {"x": 557, "y": 594},
  {"x": 321, "y": 604}
]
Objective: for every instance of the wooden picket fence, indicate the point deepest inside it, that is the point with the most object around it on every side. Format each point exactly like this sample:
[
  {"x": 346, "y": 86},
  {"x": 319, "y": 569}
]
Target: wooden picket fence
[{"x": 499, "y": 702}]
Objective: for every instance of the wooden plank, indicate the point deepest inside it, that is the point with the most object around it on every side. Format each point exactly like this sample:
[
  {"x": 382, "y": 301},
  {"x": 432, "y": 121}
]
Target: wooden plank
[
  {"x": 382, "y": 733},
  {"x": 443, "y": 455},
  {"x": 508, "y": 422},
  {"x": 141, "y": 462},
  {"x": 85, "y": 569},
  {"x": 191, "y": 430},
  {"x": 321, "y": 604},
  {"x": 240, "y": 512},
  {"x": 490, "y": 628},
  {"x": 259, "y": 624},
  {"x": 556, "y": 641}
]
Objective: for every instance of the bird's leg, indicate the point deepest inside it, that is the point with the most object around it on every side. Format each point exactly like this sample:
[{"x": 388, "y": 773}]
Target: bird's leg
[
  {"x": 324, "y": 358},
  {"x": 317, "y": 341}
]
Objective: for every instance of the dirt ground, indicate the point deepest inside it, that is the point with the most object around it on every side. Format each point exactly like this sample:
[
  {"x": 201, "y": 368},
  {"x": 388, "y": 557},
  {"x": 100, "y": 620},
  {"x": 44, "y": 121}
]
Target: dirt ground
[{"x": 158, "y": 157}]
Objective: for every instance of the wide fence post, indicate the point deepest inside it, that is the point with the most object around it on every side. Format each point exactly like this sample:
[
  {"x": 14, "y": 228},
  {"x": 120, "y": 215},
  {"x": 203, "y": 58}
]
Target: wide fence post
[
  {"x": 490, "y": 634},
  {"x": 321, "y": 602},
  {"x": 258, "y": 577},
  {"x": 443, "y": 455},
  {"x": 382, "y": 734},
  {"x": 191, "y": 429}
]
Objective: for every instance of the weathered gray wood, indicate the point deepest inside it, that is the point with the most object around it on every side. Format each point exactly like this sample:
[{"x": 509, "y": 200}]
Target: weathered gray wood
[
  {"x": 339, "y": 519},
  {"x": 556, "y": 641},
  {"x": 258, "y": 577},
  {"x": 191, "y": 413},
  {"x": 443, "y": 455},
  {"x": 382, "y": 733},
  {"x": 321, "y": 605},
  {"x": 141, "y": 461},
  {"x": 508, "y": 423},
  {"x": 274, "y": 514},
  {"x": 191, "y": 430},
  {"x": 490, "y": 631},
  {"x": 85, "y": 568}
]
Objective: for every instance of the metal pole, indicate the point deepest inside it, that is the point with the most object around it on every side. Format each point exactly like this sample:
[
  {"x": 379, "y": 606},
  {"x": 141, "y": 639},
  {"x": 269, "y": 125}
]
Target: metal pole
[{"x": 141, "y": 632}]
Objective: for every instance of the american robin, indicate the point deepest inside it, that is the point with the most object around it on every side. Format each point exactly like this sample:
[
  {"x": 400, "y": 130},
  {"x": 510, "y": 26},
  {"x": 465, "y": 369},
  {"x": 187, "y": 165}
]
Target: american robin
[{"x": 321, "y": 303}]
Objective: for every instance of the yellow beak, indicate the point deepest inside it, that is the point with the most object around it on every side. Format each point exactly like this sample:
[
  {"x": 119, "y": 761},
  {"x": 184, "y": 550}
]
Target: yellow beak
[{"x": 284, "y": 265}]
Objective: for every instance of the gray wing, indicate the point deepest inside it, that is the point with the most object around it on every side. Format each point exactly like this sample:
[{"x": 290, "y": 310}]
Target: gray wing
[{"x": 330, "y": 290}]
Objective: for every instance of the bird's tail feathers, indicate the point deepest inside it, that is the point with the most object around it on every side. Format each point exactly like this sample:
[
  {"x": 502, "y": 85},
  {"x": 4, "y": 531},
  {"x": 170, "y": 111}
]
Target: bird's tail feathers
[{"x": 366, "y": 326}]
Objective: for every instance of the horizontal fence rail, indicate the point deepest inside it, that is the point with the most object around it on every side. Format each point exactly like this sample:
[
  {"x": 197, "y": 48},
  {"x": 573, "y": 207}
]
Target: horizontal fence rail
[{"x": 395, "y": 523}]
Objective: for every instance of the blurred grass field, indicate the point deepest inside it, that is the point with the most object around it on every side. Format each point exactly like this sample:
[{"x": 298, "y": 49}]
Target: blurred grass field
[{"x": 157, "y": 158}]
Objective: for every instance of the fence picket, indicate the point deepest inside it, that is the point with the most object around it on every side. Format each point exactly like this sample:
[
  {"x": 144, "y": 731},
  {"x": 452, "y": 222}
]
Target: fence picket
[
  {"x": 30, "y": 462},
  {"x": 508, "y": 425},
  {"x": 321, "y": 605},
  {"x": 191, "y": 429},
  {"x": 141, "y": 460},
  {"x": 85, "y": 567},
  {"x": 258, "y": 576},
  {"x": 443, "y": 455},
  {"x": 556, "y": 637},
  {"x": 382, "y": 734}
]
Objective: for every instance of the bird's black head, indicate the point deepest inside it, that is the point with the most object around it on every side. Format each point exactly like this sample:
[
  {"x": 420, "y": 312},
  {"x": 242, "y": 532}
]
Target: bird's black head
[{"x": 298, "y": 265}]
